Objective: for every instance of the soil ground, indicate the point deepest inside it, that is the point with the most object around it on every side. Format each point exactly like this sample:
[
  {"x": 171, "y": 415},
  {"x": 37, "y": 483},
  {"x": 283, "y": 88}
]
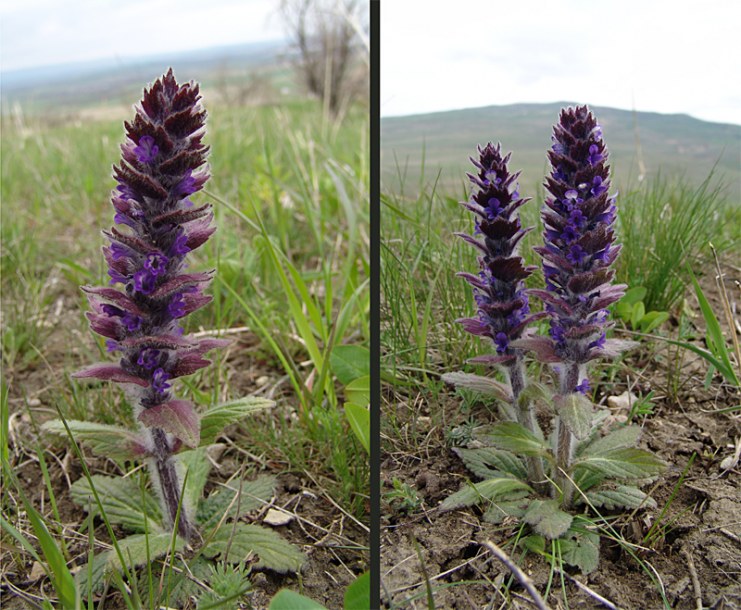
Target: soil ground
[{"x": 702, "y": 524}]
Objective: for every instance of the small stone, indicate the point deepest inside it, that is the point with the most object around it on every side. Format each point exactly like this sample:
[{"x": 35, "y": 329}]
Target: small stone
[
  {"x": 623, "y": 402},
  {"x": 37, "y": 571},
  {"x": 276, "y": 517},
  {"x": 262, "y": 380}
]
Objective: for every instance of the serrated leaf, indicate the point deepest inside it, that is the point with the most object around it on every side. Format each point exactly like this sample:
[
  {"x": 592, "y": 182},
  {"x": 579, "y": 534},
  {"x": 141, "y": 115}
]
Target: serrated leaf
[
  {"x": 357, "y": 594},
  {"x": 620, "y": 496},
  {"x": 358, "y": 417},
  {"x": 514, "y": 437},
  {"x": 349, "y": 362},
  {"x": 547, "y": 518},
  {"x": 488, "y": 462},
  {"x": 575, "y": 411},
  {"x": 491, "y": 489},
  {"x": 104, "y": 440},
  {"x": 285, "y": 599},
  {"x": 123, "y": 500},
  {"x": 177, "y": 417},
  {"x": 580, "y": 549},
  {"x": 499, "y": 510},
  {"x": 478, "y": 383},
  {"x": 255, "y": 494},
  {"x": 273, "y": 552},
  {"x": 629, "y": 463},
  {"x": 218, "y": 417},
  {"x": 617, "y": 439}
]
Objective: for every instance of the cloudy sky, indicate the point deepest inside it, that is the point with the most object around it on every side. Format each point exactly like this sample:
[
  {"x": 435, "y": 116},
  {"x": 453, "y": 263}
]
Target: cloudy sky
[
  {"x": 665, "y": 56},
  {"x": 48, "y": 32}
]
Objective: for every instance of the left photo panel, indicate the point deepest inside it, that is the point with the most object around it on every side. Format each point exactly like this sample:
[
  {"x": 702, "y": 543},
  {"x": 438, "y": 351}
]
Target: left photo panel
[{"x": 185, "y": 305}]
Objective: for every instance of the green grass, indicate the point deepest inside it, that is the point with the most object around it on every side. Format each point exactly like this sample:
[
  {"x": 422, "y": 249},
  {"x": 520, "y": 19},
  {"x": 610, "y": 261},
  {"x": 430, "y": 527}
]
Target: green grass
[{"x": 290, "y": 194}]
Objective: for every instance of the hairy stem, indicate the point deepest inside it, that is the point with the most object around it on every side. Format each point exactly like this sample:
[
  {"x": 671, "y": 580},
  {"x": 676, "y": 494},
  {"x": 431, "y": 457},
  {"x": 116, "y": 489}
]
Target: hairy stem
[
  {"x": 526, "y": 418},
  {"x": 565, "y": 448},
  {"x": 169, "y": 484}
]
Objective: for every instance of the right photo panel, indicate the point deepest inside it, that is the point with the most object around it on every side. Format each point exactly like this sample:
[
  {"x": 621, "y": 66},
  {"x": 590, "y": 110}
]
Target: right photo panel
[{"x": 560, "y": 225}]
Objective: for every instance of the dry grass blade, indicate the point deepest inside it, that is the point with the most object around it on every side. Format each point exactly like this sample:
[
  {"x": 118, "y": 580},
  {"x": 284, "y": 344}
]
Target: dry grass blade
[{"x": 524, "y": 579}]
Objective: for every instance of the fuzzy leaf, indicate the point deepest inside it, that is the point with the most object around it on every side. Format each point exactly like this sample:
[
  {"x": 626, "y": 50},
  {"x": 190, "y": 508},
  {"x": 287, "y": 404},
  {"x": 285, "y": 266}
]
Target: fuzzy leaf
[
  {"x": 534, "y": 393},
  {"x": 617, "y": 439},
  {"x": 109, "y": 372},
  {"x": 575, "y": 411},
  {"x": 488, "y": 462},
  {"x": 516, "y": 438},
  {"x": 629, "y": 463},
  {"x": 254, "y": 495},
  {"x": 123, "y": 500},
  {"x": 547, "y": 518},
  {"x": 499, "y": 510},
  {"x": 479, "y": 383},
  {"x": 580, "y": 549},
  {"x": 620, "y": 496},
  {"x": 491, "y": 489},
  {"x": 178, "y": 417},
  {"x": 107, "y": 441},
  {"x": 218, "y": 417},
  {"x": 198, "y": 467},
  {"x": 273, "y": 551}
]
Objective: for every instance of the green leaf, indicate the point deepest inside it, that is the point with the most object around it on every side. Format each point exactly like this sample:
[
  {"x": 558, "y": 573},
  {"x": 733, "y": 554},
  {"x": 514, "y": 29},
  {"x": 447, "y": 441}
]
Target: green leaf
[
  {"x": 517, "y": 439},
  {"x": 634, "y": 295},
  {"x": 358, "y": 390},
  {"x": 488, "y": 462},
  {"x": 617, "y": 439},
  {"x": 359, "y": 418},
  {"x": 177, "y": 417},
  {"x": 629, "y": 463},
  {"x": 357, "y": 594},
  {"x": 350, "y": 362},
  {"x": 580, "y": 548},
  {"x": 218, "y": 417},
  {"x": 198, "y": 467},
  {"x": 491, "y": 489},
  {"x": 535, "y": 393},
  {"x": 534, "y": 543},
  {"x": 652, "y": 320},
  {"x": 624, "y": 310},
  {"x": 103, "y": 440},
  {"x": 620, "y": 496},
  {"x": 499, "y": 510},
  {"x": 639, "y": 310},
  {"x": 547, "y": 518},
  {"x": 123, "y": 500},
  {"x": 575, "y": 411},
  {"x": 255, "y": 494},
  {"x": 480, "y": 384},
  {"x": 273, "y": 552},
  {"x": 716, "y": 341},
  {"x": 285, "y": 599}
]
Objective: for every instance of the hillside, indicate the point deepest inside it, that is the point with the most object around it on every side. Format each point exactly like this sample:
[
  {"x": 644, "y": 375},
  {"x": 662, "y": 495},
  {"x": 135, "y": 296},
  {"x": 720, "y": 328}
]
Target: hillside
[{"x": 670, "y": 144}]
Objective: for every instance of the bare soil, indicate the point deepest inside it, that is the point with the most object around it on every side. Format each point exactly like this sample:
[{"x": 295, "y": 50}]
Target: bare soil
[{"x": 700, "y": 536}]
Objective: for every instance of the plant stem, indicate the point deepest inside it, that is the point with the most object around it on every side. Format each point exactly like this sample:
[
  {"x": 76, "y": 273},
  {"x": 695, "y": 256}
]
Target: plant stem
[
  {"x": 565, "y": 440},
  {"x": 526, "y": 418},
  {"x": 169, "y": 483}
]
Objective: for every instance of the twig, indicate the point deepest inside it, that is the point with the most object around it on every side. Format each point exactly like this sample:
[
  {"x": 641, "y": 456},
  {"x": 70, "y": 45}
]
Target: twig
[
  {"x": 695, "y": 579},
  {"x": 593, "y": 594},
  {"x": 524, "y": 579}
]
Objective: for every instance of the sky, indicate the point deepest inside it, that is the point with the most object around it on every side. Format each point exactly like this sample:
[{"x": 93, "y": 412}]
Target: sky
[
  {"x": 668, "y": 56},
  {"x": 50, "y": 32}
]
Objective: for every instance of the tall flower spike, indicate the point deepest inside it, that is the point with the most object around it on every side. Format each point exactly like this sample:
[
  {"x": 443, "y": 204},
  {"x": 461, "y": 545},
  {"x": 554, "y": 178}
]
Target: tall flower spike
[
  {"x": 499, "y": 287},
  {"x": 579, "y": 250},
  {"x": 163, "y": 163}
]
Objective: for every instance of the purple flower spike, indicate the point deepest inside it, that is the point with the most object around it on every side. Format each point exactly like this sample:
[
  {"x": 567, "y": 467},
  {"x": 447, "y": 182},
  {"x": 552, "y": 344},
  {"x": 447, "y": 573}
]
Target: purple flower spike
[
  {"x": 579, "y": 244},
  {"x": 503, "y": 310},
  {"x": 163, "y": 162}
]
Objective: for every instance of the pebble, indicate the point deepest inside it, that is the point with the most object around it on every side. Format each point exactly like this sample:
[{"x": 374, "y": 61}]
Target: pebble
[{"x": 276, "y": 517}]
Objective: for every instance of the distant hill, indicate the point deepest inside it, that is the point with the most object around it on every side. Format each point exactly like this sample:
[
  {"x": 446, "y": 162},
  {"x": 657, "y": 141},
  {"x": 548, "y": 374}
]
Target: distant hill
[{"x": 672, "y": 144}]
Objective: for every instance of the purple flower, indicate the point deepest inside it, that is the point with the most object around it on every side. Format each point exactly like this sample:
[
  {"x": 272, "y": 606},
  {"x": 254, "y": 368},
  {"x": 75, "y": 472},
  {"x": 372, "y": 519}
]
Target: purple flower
[
  {"x": 147, "y": 149},
  {"x": 498, "y": 287},
  {"x": 578, "y": 216}
]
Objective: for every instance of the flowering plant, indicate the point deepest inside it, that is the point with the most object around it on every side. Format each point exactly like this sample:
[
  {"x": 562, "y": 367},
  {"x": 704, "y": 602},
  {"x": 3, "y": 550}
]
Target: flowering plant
[{"x": 526, "y": 474}]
